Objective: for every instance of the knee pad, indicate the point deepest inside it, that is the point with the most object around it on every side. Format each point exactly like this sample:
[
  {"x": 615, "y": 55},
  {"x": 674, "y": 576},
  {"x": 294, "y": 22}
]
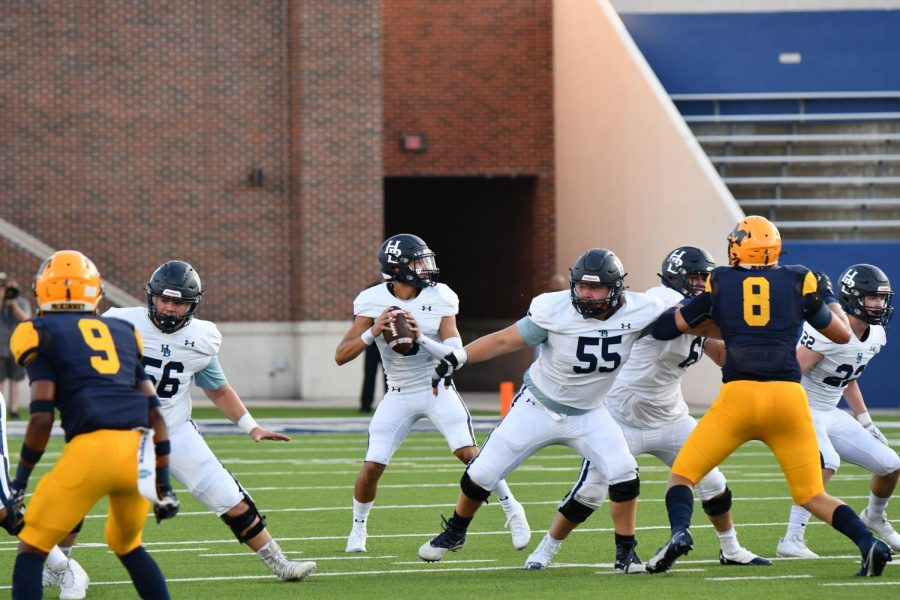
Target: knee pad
[
  {"x": 719, "y": 505},
  {"x": 472, "y": 489},
  {"x": 625, "y": 491},
  {"x": 575, "y": 511},
  {"x": 244, "y": 520}
]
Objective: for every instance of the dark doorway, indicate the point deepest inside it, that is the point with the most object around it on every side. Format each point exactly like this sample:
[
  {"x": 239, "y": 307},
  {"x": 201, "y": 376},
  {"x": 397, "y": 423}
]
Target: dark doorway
[{"x": 480, "y": 229}]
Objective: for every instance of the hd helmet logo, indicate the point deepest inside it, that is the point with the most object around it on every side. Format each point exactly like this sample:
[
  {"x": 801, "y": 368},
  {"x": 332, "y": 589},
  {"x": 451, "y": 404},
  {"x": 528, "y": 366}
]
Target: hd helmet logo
[
  {"x": 675, "y": 261},
  {"x": 849, "y": 280},
  {"x": 393, "y": 252}
]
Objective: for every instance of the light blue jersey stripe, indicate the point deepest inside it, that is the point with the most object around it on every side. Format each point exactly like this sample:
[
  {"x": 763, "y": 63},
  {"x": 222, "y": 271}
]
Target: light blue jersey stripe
[
  {"x": 212, "y": 377},
  {"x": 532, "y": 333}
]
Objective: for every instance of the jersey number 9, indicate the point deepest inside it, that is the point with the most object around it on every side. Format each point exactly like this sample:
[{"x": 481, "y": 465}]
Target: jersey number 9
[{"x": 97, "y": 336}]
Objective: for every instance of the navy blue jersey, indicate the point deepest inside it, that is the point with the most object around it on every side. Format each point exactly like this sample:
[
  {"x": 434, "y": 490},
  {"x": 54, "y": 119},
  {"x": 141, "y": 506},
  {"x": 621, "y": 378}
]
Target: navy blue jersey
[
  {"x": 760, "y": 313},
  {"x": 95, "y": 363}
]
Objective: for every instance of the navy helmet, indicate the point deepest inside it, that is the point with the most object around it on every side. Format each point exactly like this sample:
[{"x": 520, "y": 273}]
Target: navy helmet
[
  {"x": 408, "y": 259},
  {"x": 598, "y": 266},
  {"x": 176, "y": 280},
  {"x": 682, "y": 263}
]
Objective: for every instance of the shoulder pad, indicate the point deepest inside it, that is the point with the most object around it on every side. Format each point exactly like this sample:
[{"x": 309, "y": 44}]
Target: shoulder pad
[{"x": 24, "y": 342}]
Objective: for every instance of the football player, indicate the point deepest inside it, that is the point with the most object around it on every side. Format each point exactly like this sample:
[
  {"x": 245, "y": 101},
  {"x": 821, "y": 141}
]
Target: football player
[
  {"x": 89, "y": 369},
  {"x": 758, "y": 308},
  {"x": 585, "y": 334},
  {"x": 411, "y": 283},
  {"x": 830, "y": 371},
  {"x": 646, "y": 402},
  {"x": 180, "y": 350}
]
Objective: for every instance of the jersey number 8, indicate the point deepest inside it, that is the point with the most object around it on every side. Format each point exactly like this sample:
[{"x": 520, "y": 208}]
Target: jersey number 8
[{"x": 756, "y": 301}]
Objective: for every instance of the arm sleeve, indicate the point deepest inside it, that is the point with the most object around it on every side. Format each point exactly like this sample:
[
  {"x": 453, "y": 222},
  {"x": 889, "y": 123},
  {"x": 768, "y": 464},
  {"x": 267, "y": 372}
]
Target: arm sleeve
[
  {"x": 697, "y": 309},
  {"x": 821, "y": 318},
  {"x": 212, "y": 377},
  {"x": 532, "y": 333},
  {"x": 664, "y": 328}
]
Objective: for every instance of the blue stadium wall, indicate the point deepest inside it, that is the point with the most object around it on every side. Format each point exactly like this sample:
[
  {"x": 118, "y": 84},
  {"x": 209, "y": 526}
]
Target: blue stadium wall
[
  {"x": 880, "y": 384},
  {"x": 738, "y": 52}
]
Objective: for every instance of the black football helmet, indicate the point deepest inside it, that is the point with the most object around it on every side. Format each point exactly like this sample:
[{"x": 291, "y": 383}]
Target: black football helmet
[
  {"x": 598, "y": 266},
  {"x": 176, "y": 280},
  {"x": 683, "y": 262},
  {"x": 397, "y": 256},
  {"x": 866, "y": 280}
]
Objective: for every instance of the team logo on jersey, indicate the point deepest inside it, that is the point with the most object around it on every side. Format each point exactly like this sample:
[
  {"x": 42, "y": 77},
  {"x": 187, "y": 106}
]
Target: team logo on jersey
[
  {"x": 165, "y": 350},
  {"x": 604, "y": 333},
  {"x": 859, "y": 357},
  {"x": 189, "y": 343},
  {"x": 392, "y": 250},
  {"x": 428, "y": 308}
]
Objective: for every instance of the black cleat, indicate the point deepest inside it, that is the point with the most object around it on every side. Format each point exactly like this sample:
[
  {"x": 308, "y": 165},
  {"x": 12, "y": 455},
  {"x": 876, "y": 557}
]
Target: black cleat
[
  {"x": 873, "y": 564},
  {"x": 679, "y": 544},
  {"x": 449, "y": 540},
  {"x": 627, "y": 561},
  {"x": 743, "y": 557}
]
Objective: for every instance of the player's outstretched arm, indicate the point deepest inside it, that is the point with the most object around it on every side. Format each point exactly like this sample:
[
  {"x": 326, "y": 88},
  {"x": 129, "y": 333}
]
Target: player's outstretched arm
[{"x": 228, "y": 401}]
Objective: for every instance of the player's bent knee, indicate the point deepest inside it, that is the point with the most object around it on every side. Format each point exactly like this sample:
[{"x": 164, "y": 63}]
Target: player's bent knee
[
  {"x": 248, "y": 524},
  {"x": 575, "y": 511},
  {"x": 625, "y": 491},
  {"x": 472, "y": 490},
  {"x": 718, "y": 505}
]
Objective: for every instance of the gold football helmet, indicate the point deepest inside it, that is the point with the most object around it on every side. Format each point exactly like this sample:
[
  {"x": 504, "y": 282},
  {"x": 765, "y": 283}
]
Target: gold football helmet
[
  {"x": 67, "y": 281},
  {"x": 755, "y": 242}
]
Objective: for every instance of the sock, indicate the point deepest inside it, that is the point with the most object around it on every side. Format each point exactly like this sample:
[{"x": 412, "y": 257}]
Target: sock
[
  {"x": 26, "y": 579},
  {"x": 552, "y": 541},
  {"x": 680, "y": 504},
  {"x": 361, "y": 510},
  {"x": 57, "y": 560},
  {"x": 846, "y": 521},
  {"x": 504, "y": 495},
  {"x": 67, "y": 550},
  {"x": 797, "y": 523},
  {"x": 458, "y": 522},
  {"x": 625, "y": 540},
  {"x": 145, "y": 574},
  {"x": 877, "y": 508},
  {"x": 728, "y": 541}
]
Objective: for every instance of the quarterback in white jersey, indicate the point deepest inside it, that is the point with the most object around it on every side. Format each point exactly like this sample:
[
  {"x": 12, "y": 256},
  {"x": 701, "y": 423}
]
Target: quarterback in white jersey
[
  {"x": 830, "y": 372},
  {"x": 411, "y": 286},
  {"x": 585, "y": 335},
  {"x": 180, "y": 350},
  {"x": 646, "y": 402}
]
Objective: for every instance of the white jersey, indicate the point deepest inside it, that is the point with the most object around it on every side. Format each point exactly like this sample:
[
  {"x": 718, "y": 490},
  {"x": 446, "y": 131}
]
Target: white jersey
[
  {"x": 172, "y": 359},
  {"x": 409, "y": 373},
  {"x": 647, "y": 391},
  {"x": 580, "y": 357},
  {"x": 840, "y": 364}
]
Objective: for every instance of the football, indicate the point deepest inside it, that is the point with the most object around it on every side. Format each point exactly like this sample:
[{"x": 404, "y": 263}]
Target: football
[{"x": 398, "y": 336}]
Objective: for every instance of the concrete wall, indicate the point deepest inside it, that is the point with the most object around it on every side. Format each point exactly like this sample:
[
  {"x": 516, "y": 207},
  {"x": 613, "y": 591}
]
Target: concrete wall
[{"x": 630, "y": 175}]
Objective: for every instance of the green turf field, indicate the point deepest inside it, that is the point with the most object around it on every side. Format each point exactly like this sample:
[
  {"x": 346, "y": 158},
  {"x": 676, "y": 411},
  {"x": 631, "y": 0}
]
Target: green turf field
[{"x": 304, "y": 488}]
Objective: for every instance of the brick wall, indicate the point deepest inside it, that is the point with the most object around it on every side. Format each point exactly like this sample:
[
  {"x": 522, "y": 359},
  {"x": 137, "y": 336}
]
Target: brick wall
[{"x": 131, "y": 129}]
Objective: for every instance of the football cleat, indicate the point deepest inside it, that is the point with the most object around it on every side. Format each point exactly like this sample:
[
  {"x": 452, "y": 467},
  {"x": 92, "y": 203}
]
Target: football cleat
[
  {"x": 627, "y": 561},
  {"x": 518, "y": 527},
  {"x": 450, "y": 540},
  {"x": 794, "y": 546},
  {"x": 873, "y": 564},
  {"x": 543, "y": 554},
  {"x": 743, "y": 557},
  {"x": 356, "y": 542},
  {"x": 284, "y": 569},
  {"x": 883, "y": 529},
  {"x": 678, "y": 545},
  {"x": 73, "y": 584}
]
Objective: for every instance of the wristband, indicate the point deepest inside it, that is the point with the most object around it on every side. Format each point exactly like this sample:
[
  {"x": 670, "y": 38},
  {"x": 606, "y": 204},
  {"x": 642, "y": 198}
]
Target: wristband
[
  {"x": 367, "y": 337},
  {"x": 31, "y": 455},
  {"x": 247, "y": 423},
  {"x": 154, "y": 401},
  {"x": 864, "y": 419},
  {"x": 163, "y": 448}
]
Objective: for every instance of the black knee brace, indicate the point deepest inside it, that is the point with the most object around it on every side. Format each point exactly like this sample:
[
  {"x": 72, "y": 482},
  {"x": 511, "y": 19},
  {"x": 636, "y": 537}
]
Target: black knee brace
[
  {"x": 575, "y": 511},
  {"x": 472, "y": 489},
  {"x": 244, "y": 520},
  {"x": 625, "y": 491},
  {"x": 719, "y": 505}
]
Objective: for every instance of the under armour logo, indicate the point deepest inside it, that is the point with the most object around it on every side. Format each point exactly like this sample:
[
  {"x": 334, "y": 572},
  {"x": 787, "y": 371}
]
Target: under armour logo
[
  {"x": 189, "y": 343},
  {"x": 625, "y": 326},
  {"x": 428, "y": 308},
  {"x": 165, "y": 350},
  {"x": 392, "y": 251},
  {"x": 395, "y": 389}
]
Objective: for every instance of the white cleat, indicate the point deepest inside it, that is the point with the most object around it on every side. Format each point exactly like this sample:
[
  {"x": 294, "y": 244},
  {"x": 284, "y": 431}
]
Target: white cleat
[
  {"x": 356, "y": 542},
  {"x": 882, "y": 529},
  {"x": 284, "y": 569},
  {"x": 744, "y": 557},
  {"x": 73, "y": 584},
  {"x": 794, "y": 546},
  {"x": 542, "y": 555},
  {"x": 518, "y": 527},
  {"x": 51, "y": 578}
]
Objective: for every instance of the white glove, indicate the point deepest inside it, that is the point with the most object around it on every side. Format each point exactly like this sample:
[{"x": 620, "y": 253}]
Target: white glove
[{"x": 866, "y": 421}]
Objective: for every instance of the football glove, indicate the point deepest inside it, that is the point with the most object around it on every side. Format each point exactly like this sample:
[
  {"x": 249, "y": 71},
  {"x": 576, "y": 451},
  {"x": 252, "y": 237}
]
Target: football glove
[
  {"x": 452, "y": 361},
  {"x": 15, "y": 518},
  {"x": 168, "y": 504},
  {"x": 866, "y": 421},
  {"x": 16, "y": 494},
  {"x": 824, "y": 288}
]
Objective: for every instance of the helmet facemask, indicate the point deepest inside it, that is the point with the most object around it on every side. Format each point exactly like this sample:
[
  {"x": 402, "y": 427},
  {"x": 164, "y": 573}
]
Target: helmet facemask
[{"x": 595, "y": 309}]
